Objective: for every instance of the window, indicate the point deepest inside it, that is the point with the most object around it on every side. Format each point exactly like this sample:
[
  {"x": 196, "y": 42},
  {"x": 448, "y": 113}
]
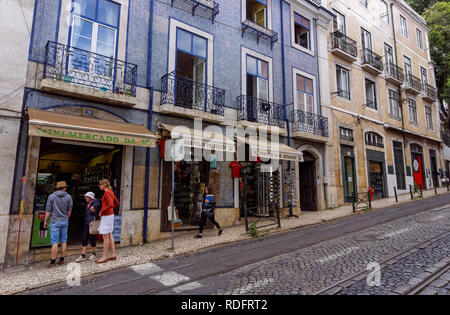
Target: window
[
  {"x": 419, "y": 39},
  {"x": 403, "y": 27},
  {"x": 429, "y": 117},
  {"x": 257, "y": 78},
  {"x": 363, "y": 3},
  {"x": 302, "y": 29},
  {"x": 423, "y": 76},
  {"x": 374, "y": 139},
  {"x": 339, "y": 23},
  {"x": 346, "y": 134},
  {"x": 366, "y": 39},
  {"x": 305, "y": 94},
  {"x": 408, "y": 67},
  {"x": 384, "y": 12},
  {"x": 256, "y": 11},
  {"x": 412, "y": 111},
  {"x": 343, "y": 82},
  {"x": 94, "y": 30},
  {"x": 393, "y": 104},
  {"x": 371, "y": 99}
]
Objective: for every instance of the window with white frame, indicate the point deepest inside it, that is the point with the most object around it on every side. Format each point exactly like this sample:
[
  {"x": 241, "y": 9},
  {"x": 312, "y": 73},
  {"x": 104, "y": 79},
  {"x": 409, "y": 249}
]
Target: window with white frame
[
  {"x": 95, "y": 25},
  {"x": 256, "y": 11},
  {"x": 346, "y": 134},
  {"x": 412, "y": 111},
  {"x": 305, "y": 94},
  {"x": 429, "y": 117},
  {"x": 394, "y": 104},
  {"x": 302, "y": 31},
  {"x": 371, "y": 99},
  {"x": 339, "y": 23},
  {"x": 374, "y": 139},
  {"x": 343, "y": 82},
  {"x": 419, "y": 39},
  {"x": 404, "y": 26},
  {"x": 257, "y": 78},
  {"x": 384, "y": 12}
]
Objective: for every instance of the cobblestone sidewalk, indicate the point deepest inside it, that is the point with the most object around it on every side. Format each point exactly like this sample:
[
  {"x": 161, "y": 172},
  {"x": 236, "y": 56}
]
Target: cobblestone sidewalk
[{"x": 19, "y": 279}]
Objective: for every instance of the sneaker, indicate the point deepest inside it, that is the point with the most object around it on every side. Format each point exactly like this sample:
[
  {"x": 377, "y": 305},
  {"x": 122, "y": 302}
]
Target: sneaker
[
  {"x": 80, "y": 259},
  {"x": 92, "y": 256},
  {"x": 198, "y": 236},
  {"x": 220, "y": 232}
]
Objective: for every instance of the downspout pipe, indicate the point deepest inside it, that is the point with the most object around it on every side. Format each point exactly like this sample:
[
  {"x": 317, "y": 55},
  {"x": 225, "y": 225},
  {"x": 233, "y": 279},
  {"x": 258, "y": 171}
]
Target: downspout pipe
[{"x": 149, "y": 123}]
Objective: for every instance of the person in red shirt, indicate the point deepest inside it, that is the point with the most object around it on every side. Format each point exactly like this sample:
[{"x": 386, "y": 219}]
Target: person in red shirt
[
  {"x": 236, "y": 168},
  {"x": 109, "y": 202}
]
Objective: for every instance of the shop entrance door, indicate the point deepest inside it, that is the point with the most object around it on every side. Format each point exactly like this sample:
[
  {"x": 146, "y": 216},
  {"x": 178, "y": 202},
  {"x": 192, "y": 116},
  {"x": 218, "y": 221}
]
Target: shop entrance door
[
  {"x": 349, "y": 173},
  {"x": 81, "y": 165},
  {"x": 434, "y": 170},
  {"x": 376, "y": 178},
  {"x": 308, "y": 187}
]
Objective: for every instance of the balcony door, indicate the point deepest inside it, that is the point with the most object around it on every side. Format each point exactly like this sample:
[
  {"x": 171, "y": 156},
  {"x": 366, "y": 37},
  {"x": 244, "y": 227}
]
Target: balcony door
[
  {"x": 389, "y": 58},
  {"x": 423, "y": 77},
  {"x": 190, "y": 71},
  {"x": 408, "y": 68},
  {"x": 257, "y": 89},
  {"x": 93, "y": 36},
  {"x": 339, "y": 23},
  {"x": 366, "y": 39}
]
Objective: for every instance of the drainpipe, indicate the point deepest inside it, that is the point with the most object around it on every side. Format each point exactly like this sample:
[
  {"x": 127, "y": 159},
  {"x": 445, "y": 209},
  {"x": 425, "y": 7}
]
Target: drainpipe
[
  {"x": 149, "y": 123},
  {"x": 399, "y": 91},
  {"x": 283, "y": 69}
]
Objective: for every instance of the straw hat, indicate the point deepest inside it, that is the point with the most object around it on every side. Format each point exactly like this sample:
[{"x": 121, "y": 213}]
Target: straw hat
[{"x": 61, "y": 184}]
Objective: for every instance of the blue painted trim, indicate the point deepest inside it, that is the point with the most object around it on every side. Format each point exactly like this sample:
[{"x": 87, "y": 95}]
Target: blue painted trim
[
  {"x": 58, "y": 21},
  {"x": 128, "y": 31},
  {"x": 30, "y": 49},
  {"x": 132, "y": 179},
  {"x": 283, "y": 69}
]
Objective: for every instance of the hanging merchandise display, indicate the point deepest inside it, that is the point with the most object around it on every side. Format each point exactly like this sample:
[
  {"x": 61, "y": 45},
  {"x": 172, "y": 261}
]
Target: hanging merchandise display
[{"x": 289, "y": 188}]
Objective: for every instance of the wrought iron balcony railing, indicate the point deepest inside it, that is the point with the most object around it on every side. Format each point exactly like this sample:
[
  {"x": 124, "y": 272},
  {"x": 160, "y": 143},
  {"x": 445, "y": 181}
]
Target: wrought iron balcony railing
[
  {"x": 347, "y": 138},
  {"x": 429, "y": 92},
  {"x": 259, "y": 31},
  {"x": 413, "y": 82},
  {"x": 375, "y": 144},
  {"x": 395, "y": 72},
  {"x": 186, "y": 93},
  {"x": 317, "y": 2},
  {"x": 370, "y": 58},
  {"x": 260, "y": 111},
  {"x": 77, "y": 66},
  {"x": 204, "y": 8},
  {"x": 309, "y": 123},
  {"x": 344, "y": 43}
]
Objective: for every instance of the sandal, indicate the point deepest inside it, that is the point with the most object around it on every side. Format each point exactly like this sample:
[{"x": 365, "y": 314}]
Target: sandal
[
  {"x": 101, "y": 261},
  {"x": 112, "y": 258}
]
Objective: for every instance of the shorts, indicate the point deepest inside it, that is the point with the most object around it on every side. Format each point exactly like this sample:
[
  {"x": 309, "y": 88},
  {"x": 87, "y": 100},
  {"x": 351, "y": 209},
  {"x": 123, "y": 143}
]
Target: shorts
[
  {"x": 58, "y": 232},
  {"x": 92, "y": 239},
  {"x": 106, "y": 225}
]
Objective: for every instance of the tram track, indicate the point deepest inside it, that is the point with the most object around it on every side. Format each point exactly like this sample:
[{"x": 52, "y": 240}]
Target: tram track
[{"x": 337, "y": 287}]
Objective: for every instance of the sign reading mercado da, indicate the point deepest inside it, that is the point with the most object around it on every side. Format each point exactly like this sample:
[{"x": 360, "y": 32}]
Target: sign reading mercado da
[{"x": 92, "y": 136}]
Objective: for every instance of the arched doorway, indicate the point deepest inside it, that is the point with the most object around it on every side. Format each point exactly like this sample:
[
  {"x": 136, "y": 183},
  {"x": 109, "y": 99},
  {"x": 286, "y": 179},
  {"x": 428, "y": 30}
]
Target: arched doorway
[{"x": 308, "y": 187}]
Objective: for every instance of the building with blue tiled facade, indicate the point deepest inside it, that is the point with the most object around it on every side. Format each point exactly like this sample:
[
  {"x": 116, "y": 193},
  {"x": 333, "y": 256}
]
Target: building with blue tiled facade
[{"x": 99, "y": 70}]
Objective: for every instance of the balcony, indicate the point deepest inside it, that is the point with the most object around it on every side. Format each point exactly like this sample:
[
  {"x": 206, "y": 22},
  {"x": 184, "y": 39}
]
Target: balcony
[
  {"x": 371, "y": 62},
  {"x": 412, "y": 84},
  {"x": 429, "y": 93},
  {"x": 204, "y": 8},
  {"x": 343, "y": 47},
  {"x": 394, "y": 74},
  {"x": 260, "y": 32},
  {"x": 184, "y": 97},
  {"x": 260, "y": 111},
  {"x": 309, "y": 126},
  {"x": 83, "y": 74}
]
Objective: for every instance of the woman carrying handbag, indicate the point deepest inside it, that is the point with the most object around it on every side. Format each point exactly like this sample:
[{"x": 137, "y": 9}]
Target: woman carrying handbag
[
  {"x": 109, "y": 202},
  {"x": 91, "y": 224},
  {"x": 209, "y": 203}
]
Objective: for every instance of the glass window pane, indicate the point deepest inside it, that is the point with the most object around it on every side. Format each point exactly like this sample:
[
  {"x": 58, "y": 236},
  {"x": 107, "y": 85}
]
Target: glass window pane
[
  {"x": 199, "y": 46},
  {"x": 306, "y": 23},
  {"x": 108, "y": 12},
  {"x": 251, "y": 65},
  {"x": 262, "y": 89},
  {"x": 308, "y": 86},
  {"x": 297, "y": 19},
  {"x": 263, "y": 69},
  {"x": 301, "y": 101},
  {"x": 105, "y": 49},
  {"x": 300, "y": 83},
  {"x": 106, "y": 35},
  {"x": 184, "y": 41},
  {"x": 85, "y": 8},
  {"x": 82, "y": 27},
  {"x": 309, "y": 104}
]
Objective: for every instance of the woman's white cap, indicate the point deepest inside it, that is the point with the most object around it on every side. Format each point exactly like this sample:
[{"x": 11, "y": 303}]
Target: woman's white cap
[{"x": 90, "y": 195}]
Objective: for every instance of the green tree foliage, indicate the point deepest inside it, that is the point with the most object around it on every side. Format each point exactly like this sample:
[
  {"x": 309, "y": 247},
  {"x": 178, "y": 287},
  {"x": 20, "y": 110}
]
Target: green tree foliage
[{"x": 420, "y": 5}]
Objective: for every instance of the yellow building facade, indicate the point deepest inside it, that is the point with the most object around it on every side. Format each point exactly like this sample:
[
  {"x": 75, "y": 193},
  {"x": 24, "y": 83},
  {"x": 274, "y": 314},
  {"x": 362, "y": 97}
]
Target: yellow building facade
[{"x": 383, "y": 101}]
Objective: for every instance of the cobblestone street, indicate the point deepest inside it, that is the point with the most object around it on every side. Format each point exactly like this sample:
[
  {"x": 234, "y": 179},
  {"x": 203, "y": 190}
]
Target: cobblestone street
[{"x": 409, "y": 244}]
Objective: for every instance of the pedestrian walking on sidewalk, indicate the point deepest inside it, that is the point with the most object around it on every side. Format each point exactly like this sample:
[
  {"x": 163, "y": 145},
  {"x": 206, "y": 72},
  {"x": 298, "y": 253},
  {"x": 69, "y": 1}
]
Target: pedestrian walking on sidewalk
[
  {"x": 109, "y": 202},
  {"x": 58, "y": 209},
  {"x": 92, "y": 211},
  {"x": 208, "y": 207}
]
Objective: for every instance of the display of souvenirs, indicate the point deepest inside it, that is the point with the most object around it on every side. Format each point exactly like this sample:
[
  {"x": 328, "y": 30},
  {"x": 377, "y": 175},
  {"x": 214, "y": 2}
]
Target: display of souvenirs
[{"x": 289, "y": 187}]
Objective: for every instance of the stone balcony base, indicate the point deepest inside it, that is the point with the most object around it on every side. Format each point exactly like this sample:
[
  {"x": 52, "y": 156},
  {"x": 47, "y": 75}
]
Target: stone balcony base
[{"x": 190, "y": 113}]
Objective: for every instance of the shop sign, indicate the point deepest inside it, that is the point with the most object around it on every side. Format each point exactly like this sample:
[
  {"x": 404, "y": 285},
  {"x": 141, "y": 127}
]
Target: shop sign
[
  {"x": 79, "y": 135},
  {"x": 209, "y": 145},
  {"x": 269, "y": 154}
]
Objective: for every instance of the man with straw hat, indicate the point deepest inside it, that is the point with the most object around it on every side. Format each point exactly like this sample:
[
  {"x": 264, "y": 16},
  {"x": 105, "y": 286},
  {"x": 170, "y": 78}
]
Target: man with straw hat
[{"x": 58, "y": 208}]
